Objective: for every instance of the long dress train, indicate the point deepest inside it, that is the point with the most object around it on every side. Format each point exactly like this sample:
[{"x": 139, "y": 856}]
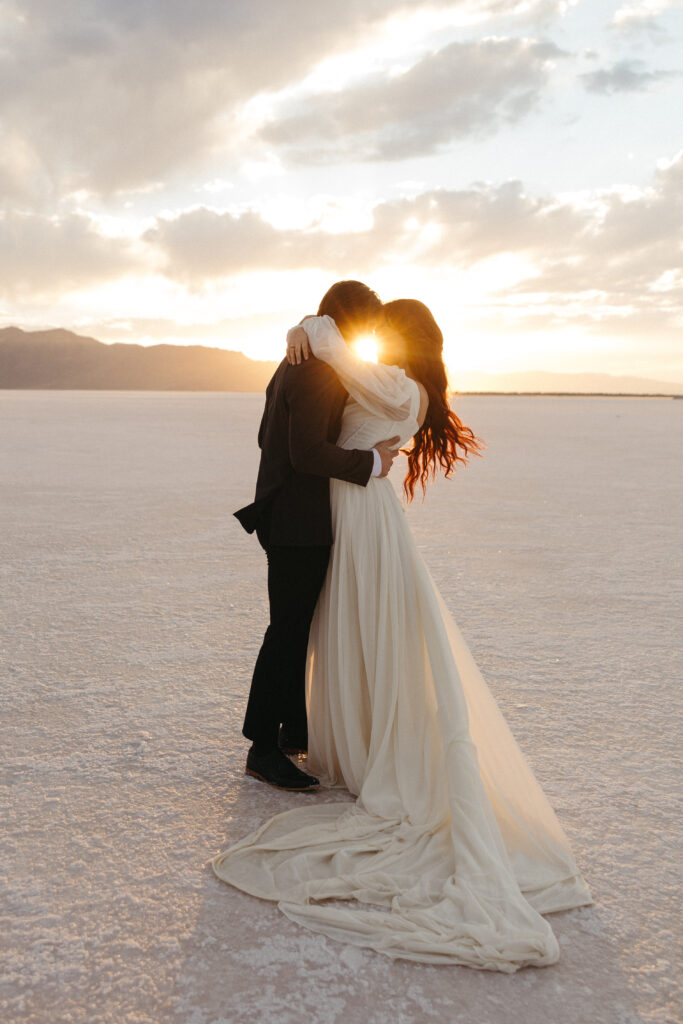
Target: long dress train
[{"x": 451, "y": 840}]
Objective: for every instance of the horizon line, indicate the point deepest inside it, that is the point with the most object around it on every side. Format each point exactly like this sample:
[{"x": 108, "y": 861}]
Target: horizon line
[{"x": 483, "y": 373}]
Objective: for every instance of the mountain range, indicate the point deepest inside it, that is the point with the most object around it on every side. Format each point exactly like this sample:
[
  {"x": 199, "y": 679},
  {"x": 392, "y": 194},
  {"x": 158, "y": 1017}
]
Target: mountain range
[{"x": 60, "y": 359}]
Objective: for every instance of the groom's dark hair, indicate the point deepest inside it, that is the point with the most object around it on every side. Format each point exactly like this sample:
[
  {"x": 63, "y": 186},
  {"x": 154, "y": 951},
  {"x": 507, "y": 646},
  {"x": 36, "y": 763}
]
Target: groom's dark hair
[{"x": 352, "y": 305}]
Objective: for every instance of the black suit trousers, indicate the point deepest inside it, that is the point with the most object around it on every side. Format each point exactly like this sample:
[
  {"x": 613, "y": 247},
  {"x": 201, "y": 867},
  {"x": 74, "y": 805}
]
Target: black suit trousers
[{"x": 278, "y": 696}]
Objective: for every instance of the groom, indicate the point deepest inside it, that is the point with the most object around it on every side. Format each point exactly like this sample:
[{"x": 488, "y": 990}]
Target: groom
[{"x": 292, "y": 519}]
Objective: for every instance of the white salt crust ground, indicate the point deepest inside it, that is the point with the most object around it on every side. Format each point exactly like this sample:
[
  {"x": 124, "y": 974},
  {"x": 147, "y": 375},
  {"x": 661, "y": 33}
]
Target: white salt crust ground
[{"x": 132, "y": 610}]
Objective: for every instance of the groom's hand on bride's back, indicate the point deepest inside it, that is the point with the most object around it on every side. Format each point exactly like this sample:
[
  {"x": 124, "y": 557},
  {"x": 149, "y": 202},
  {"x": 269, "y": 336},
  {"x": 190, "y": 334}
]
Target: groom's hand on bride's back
[{"x": 387, "y": 451}]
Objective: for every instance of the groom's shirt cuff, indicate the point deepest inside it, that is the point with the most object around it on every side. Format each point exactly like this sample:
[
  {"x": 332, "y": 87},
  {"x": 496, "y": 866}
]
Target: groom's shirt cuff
[{"x": 377, "y": 463}]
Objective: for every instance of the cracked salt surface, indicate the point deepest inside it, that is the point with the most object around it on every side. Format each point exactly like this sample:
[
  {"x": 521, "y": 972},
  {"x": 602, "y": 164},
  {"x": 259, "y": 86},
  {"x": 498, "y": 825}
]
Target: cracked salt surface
[{"x": 132, "y": 607}]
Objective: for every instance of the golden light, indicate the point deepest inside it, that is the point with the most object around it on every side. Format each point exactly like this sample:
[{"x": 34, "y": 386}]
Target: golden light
[{"x": 365, "y": 348}]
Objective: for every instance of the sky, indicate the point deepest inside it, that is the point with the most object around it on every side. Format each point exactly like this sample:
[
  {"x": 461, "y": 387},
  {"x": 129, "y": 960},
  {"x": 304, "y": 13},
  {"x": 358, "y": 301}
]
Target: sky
[{"x": 201, "y": 173}]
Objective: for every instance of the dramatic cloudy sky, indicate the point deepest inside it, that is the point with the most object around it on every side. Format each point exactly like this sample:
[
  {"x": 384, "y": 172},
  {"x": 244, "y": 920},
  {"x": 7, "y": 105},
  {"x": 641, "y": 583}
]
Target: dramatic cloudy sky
[{"x": 184, "y": 172}]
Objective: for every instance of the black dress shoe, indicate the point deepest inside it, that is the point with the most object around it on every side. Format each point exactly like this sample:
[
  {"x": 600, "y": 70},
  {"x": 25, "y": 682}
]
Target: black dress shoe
[
  {"x": 291, "y": 744},
  {"x": 277, "y": 770}
]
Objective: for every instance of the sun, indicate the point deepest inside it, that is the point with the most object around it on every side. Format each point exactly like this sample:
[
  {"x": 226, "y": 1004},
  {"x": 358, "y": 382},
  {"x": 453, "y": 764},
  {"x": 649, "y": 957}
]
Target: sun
[{"x": 365, "y": 348}]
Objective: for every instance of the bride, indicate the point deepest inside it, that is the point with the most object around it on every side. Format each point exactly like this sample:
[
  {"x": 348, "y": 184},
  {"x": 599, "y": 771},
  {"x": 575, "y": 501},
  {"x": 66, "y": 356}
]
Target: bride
[{"x": 451, "y": 852}]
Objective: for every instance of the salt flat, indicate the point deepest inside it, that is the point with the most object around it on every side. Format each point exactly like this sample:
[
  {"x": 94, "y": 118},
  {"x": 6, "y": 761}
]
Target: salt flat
[{"x": 132, "y": 606}]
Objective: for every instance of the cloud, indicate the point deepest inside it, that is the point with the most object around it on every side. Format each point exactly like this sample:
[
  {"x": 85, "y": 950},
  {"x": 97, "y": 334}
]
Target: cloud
[
  {"x": 202, "y": 245},
  {"x": 149, "y": 330},
  {"x": 642, "y": 16},
  {"x": 625, "y": 76},
  {"x": 612, "y": 253},
  {"x": 121, "y": 95},
  {"x": 530, "y": 12},
  {"x": 463, "y": 90},
  {"x": 627, "y": 259},
  {"x": 608, "y": 261},
  {"x": 453, "y": 227},
  {"x": 41, "y": 255}
]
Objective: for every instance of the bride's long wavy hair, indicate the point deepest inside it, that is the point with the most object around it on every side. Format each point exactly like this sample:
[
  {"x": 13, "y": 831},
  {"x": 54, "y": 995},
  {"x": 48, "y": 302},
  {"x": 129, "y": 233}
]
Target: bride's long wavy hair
[{"x": 443, "y": 440}]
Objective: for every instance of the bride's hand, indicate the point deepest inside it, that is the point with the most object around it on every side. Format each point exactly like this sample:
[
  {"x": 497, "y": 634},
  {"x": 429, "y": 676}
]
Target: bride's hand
[{"x": 298, "y": 347}]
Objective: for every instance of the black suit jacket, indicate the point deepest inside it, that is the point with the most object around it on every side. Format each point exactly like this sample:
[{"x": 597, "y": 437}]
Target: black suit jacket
[{"x": 301, "y": 422}]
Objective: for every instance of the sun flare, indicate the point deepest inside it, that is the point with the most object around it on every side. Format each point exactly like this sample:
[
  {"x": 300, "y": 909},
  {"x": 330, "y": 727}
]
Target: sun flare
[{"x": 365, "y": 348}]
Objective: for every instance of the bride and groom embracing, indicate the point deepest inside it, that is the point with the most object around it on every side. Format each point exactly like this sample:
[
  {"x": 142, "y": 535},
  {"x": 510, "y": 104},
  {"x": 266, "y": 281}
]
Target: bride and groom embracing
[{"x": 451, "y": 852}]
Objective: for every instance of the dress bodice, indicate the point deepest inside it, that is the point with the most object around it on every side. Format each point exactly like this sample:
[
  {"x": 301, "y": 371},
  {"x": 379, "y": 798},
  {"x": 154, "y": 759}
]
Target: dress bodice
[{"x": 363, "y": 429}]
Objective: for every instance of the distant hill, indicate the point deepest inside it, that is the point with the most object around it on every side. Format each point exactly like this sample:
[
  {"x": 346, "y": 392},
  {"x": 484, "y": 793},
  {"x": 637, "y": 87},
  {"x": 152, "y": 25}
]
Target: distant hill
[
  {"x": 60, "y": 359},
  {"x": 537, "y": 381}
]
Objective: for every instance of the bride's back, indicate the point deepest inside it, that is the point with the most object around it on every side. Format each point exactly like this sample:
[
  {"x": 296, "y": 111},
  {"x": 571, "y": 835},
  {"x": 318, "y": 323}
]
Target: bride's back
[{"x": 363, "y": 429}]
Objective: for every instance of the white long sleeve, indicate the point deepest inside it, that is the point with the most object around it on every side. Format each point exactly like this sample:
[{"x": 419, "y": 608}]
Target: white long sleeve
[{"x": 382, "y": 390}]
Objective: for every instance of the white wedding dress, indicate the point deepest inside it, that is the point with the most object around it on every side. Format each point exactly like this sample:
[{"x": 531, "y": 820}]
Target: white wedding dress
[{"x": 451, "y": 852}]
